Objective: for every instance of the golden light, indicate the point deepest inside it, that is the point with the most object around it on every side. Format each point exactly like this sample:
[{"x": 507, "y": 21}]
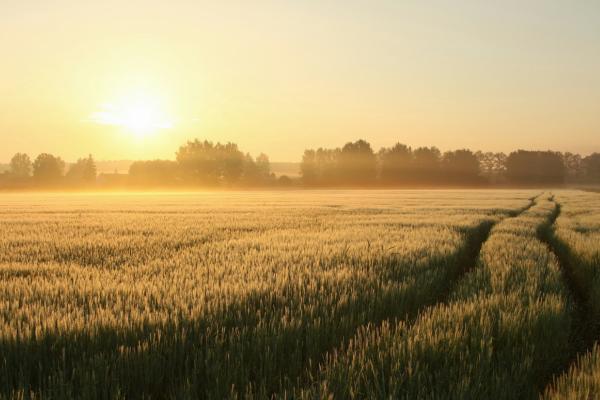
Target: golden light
[{"x": 139, "y": 116}]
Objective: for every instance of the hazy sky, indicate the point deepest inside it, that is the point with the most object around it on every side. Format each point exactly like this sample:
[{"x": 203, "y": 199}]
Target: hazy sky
[{"x": 136, "y": 79}]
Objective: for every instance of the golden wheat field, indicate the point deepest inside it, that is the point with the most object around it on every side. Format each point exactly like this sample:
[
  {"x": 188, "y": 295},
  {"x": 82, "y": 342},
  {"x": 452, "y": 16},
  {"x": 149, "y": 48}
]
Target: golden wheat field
[{"x": 260, "y": 295}]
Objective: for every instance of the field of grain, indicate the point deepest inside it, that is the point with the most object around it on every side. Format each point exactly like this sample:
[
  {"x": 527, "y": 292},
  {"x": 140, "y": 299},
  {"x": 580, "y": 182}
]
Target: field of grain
[
  {"x": 342, "y": 294},
  {"x": 576, "y": 240}
]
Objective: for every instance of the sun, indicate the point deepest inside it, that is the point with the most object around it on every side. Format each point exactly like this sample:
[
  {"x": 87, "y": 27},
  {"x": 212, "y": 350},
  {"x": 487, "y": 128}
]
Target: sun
[{"x": 139, "y": 116}]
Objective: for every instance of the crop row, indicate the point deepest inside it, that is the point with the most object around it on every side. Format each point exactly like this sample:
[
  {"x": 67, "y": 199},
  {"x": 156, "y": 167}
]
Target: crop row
[
  {"x": 498, "y": 337},
  {"x": 576, "y": 238},
  {"x": 203, "y": 298}
]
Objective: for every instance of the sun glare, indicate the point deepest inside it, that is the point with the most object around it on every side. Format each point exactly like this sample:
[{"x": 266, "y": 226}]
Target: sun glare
[{"x": 139, "y": 116}]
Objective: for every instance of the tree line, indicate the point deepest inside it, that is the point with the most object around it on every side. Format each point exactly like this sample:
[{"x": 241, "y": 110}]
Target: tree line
[
  {"x": 203, "y": 164},
  {"x": 356, "y": 164},
  {"x": 48, "y": 171},
  {"x": 197, "y": 164}
]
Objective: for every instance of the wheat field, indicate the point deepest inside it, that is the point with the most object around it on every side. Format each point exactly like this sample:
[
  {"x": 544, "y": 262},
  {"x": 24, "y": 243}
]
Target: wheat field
[{"x": 258, "y": 295}]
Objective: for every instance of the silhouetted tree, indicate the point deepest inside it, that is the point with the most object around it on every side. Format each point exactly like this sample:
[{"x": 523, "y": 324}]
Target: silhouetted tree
[
  {"x": 395, "y": 164},
  {"x": 522, "y": 167},
  {"x": 357, "y": 164},
  {"x": 74, "y": 175},
  {"x": 500, "y": 160},
  {"x": 81, "y": 173},
  {"x": 20, "y": 165},
  {"x": 19, "y": 173},
  {"x": 461, "y": 167},
  {"x": 552, "y": 167},
  {"x": 308, "y": 168},
  {"x": 154, "y": 173},
  {"x": 328, "y": 162},
  {"x": 89, "y": 171},
  {"x": 427, "y": 165},
  {"x": 198, "y": 163},
  {"x": 320, "y": 167},
  {"x": 591, "y": 164},
  {"x": 492, "y": 165},
  {"x": 535, "y": 167},
  {"x": 285, "y": 181},
  {"x": 230, "y": 162},
  {"x": 573, "y": 164},
  {"x": 206, "y": 164},
  {"x": 251, "y": 175},
  {"x": 486, "y": 161},
  {"x": 48, "y": 170},
  {"x": 264, "y": 167}
]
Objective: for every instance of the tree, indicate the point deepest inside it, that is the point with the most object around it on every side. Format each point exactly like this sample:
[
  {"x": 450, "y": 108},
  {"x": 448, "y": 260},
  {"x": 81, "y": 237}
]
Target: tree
[
  {"x": 592, "y": 166},
  {"x": 535, "y": 167},
  {"x": 552, "y": 167},
  {"x": 251, "y": 175},
  {"x": 154, "y": 173},
  {"x": 320, "y": 167},
  {"x": 500, "y": 160},
  {"x": 357, "y": 164},
  {"x": 230, "y": 162},
  {"x": 89, "y": 171},
  {"x": 81, "y": 173},
  {"x": 395, "y": 164},
  {"x": 48, "y": 170},
  {"x": 522, "y": 167},
  {"x": 20, "y": 165},
  {"x": 486, "y": 161},
  {"x": 461, "y": 167},
  {"x": 257, "y": 172},
  {"x": 308, "y": 168},
  {"x": 328, "y": 162},
  {"x": 573, "y": 164},
  {"x": 206, "y": 164},
  {"x": 264, "y": 167},
  {"x": 427, "y": 164},
  {"x": 198, "y": 163},
  {"x": 285, "y": 181},
  {"x": 492, "y": 165},
  {"x": 74, "y": 176}
]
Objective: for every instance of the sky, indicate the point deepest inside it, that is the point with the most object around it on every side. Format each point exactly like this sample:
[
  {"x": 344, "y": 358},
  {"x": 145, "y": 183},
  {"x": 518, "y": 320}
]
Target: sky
[{"x": 137, "y": 79}]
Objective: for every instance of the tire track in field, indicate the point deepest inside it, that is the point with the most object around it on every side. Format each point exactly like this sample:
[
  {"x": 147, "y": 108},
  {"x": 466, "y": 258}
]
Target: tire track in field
[
  {"x": 467, "y": 261},
  {"x": 473, "y": 249},
  {"x": 585, "y": 331}
]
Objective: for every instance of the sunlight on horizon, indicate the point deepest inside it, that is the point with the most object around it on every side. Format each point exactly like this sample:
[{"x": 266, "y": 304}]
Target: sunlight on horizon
[
  {"x": 282, "y": 77},
  {"x": 140, "y": 115}
]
